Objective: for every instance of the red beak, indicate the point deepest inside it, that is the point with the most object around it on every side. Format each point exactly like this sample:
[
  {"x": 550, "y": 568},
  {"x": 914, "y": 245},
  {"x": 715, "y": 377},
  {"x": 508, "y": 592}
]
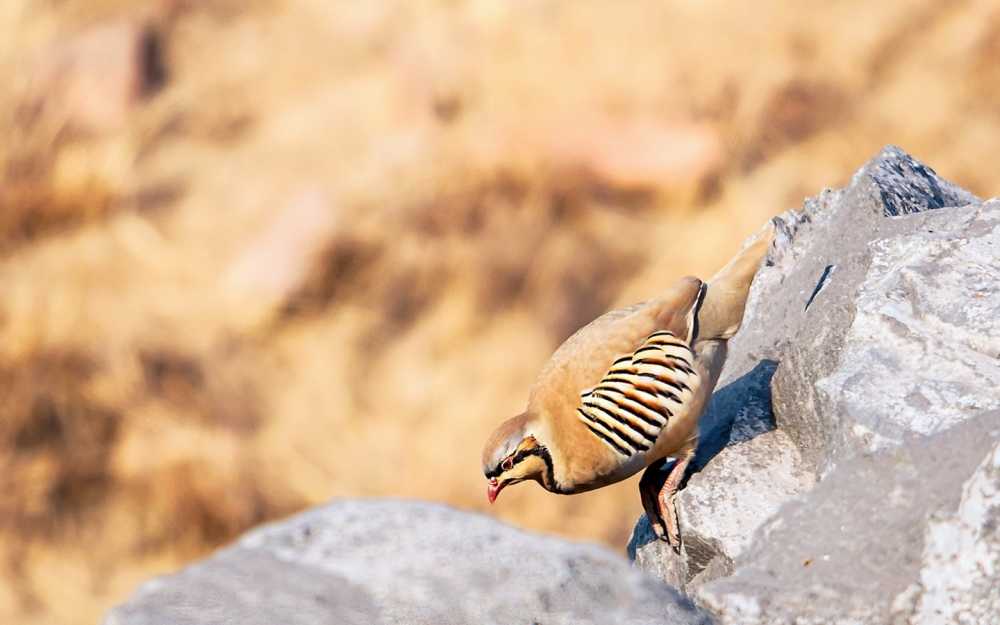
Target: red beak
[{"x": 493, "y": 489}]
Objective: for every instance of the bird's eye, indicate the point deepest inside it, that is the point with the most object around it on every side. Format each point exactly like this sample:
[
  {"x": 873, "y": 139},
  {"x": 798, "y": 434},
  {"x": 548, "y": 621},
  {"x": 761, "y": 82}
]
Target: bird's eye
[{"x": 507, "y": 464}]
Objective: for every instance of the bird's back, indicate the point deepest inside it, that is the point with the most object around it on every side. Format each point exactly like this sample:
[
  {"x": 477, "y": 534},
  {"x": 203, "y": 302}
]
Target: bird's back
[{"x": 585, "y": 357}]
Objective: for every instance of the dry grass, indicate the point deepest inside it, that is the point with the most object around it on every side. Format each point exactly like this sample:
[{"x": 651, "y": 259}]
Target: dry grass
[{"x": 322, "y": 248}]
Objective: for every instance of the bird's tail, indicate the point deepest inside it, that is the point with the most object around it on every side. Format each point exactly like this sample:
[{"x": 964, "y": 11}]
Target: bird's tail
[{"x": 721, "y": 311}]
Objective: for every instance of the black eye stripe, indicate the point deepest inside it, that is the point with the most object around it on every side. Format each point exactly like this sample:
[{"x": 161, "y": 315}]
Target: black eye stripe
[
  {"x": 524, "y": 453},
  {"x": 543, "y": 453},
  {"x": 515, "y": 460}
]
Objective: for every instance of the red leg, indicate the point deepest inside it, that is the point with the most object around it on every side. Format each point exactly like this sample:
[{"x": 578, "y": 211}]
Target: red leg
[{"x": 667, "y": 500}]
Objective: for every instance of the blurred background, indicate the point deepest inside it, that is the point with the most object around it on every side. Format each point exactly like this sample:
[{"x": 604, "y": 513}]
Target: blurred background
[{"x": 255, "y": 254}]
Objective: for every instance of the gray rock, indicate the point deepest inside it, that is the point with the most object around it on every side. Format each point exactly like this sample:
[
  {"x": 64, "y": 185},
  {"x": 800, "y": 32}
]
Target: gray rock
[
  {"x": 851, "y": 550},
  {"x": 875, "y": 318},
  {"x": 921, "y": 354},
  {"x": 828, "y": 290},
  {"x": 718, "y": 526},
  {"x": 961, "y": 562},
  {"x": 379, "y": 561},
  {"x": 905, "y": 185}
]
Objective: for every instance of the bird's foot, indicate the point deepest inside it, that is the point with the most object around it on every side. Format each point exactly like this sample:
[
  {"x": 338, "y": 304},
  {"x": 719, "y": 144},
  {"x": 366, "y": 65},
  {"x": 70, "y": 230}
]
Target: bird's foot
[
  {"x": 659, "y": 497},
  {"x": 668, "y": 513},
  {"x": 659, "y": 527},
  {"x": 662, "y": 517}
]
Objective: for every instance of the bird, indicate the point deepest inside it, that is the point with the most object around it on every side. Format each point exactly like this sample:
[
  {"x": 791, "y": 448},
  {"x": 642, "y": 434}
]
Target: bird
[{"x": 625, "y": 393}]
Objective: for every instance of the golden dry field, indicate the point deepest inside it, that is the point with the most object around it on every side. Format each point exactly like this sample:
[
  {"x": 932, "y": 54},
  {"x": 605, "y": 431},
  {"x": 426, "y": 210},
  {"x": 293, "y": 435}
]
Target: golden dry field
[{"x": 258, "y": 254}]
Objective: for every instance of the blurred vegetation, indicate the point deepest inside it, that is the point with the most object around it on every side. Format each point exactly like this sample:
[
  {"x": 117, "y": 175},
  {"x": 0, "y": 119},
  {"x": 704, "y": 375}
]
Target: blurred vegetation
[{"x": 255, "y": 255}]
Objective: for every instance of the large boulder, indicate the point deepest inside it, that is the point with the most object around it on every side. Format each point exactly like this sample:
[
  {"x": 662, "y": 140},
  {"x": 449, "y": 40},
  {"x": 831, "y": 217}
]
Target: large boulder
[
  {"x": 906, "y": 535},
  {"x": 960, "y": 566},
  {"x": 875, "y": 321},
  {"x": 378, "y": 561}
]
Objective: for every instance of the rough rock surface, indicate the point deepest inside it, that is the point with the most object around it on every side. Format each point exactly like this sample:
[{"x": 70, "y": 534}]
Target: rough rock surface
[
  {"x": 859, "y": 549},
  {"x": 961, "y": 559},
  {"x": 369, "y": 562},
  {"x": 876, "y": 320}
]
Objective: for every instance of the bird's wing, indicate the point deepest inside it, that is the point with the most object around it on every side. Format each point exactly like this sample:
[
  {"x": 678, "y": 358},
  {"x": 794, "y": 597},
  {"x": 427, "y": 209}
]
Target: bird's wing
[
  {"x": 583, "y": 359},
  {"x": 641, "y": 392}
]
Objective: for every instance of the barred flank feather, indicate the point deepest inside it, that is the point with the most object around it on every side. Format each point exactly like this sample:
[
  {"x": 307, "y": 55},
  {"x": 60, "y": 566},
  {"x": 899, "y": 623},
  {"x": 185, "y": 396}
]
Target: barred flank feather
[{"x": 635, "y": 400}]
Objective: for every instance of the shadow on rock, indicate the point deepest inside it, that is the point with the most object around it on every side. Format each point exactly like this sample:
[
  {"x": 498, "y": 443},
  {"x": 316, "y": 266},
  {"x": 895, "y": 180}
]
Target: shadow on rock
[{"x": 738, "y": 412}]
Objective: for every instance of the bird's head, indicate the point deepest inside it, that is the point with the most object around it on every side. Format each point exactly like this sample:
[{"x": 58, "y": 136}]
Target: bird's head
[{"x": 513, "y": 454}]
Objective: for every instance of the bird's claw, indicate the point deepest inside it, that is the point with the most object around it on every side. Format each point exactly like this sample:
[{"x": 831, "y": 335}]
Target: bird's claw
[
  {"x": 664, "y": 533},
  {"x": 674, "y": 541}
]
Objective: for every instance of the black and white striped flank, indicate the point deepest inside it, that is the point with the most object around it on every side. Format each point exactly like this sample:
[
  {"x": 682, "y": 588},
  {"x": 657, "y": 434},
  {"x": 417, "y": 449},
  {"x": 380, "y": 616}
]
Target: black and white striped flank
[{"x": 639, "y": 395}]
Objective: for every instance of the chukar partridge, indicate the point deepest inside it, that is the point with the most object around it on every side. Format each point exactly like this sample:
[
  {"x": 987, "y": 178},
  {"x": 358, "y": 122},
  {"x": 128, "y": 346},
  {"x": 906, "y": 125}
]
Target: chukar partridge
[{"x": 626, "y": 392}]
